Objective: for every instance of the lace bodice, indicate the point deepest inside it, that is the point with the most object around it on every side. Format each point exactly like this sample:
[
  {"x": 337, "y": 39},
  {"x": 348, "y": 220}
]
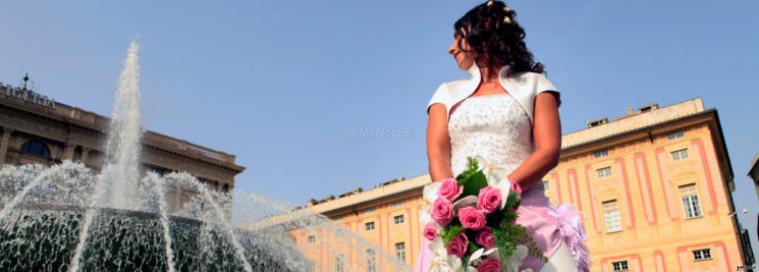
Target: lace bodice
[{"x": 492, "y": 126}]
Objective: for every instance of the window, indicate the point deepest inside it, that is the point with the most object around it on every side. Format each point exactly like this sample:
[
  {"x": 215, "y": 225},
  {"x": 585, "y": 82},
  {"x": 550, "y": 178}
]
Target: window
[
  {"x": 680, "y": 154},
  {"x": 36, "y": 148},
  {"x": 398, "y": 219},
  {"x": 369, "y": 225},
  {"x": 371, "y": 266},
  {"x": 398, "y": 203},
  {"x": 620, "y": 266},
  {"x": 604, "y": 172},
  {"x": 400, "y": 251},
  {"x": 339, "y": 266},
  {"x": 612, "y": 216},
  {"x": 691, "y": 205},
  {"x": 601, "y": 153},
  {"x": 311, "y": 239},
  {"x": 675, "y": 135},
  {"x": 702, "y": 254}
]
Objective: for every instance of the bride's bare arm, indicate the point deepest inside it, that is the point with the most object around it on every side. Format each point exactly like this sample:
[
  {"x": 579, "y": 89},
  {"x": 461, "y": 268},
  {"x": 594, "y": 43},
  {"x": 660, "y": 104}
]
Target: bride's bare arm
[
  {"x": 547, "y": 136},
  {"x": 438, "y": 143}
]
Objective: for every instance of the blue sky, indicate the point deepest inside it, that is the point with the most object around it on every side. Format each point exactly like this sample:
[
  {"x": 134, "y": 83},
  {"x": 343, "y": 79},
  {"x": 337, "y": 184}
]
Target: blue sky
[{"x": 282, "y": 84}]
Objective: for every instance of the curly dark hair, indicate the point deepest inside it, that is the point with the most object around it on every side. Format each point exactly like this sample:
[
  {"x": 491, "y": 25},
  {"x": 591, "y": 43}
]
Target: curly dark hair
[{"x": 495, "y": 42}]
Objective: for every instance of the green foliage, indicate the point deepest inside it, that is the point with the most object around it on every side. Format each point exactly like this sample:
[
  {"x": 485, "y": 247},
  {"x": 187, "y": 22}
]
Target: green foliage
[
  {"x": 449, "y": 232},
  {"x": 473, "y": 246},
  {"x": 472, "y": 179},
  {"x": 512, "y": 202},
  {"x": 509, "y": 236},
  {"x": 534, "y": 250}
]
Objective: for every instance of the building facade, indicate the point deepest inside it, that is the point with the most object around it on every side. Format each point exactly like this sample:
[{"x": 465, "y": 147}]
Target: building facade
[
  {"x": 754, "y": 173},
  {"x": 36, "y": 129},
  {"x": 654, "y": 187}
]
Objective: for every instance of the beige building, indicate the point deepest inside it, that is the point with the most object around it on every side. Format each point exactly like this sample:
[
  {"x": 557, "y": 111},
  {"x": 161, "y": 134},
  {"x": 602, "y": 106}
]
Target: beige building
[
  {"x": 36, "y": 129},
  {"x": 654, "y": 187}
]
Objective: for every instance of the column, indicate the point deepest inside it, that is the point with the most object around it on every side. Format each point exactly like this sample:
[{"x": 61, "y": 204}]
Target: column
[
  {"x": 4, "y": 143},
  {"x": 85, "y": 155},
  {"x": 68, "y": 151}
]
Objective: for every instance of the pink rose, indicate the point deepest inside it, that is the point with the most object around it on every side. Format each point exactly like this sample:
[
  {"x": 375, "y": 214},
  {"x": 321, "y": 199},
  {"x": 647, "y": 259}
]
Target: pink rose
[
  {"x": 472, "y": 218},
  {"x": 458, "y": 245},
  {"x": 430, "y": 232},
  {"x": 515, "y": 187},
  {"x": 450, "y": 189},
  {"x": 489, "y": 265},
  {"x": 485, "y": 238},
  {"x": 442, "y": 211},
  {"x": 489, "y": 199}
]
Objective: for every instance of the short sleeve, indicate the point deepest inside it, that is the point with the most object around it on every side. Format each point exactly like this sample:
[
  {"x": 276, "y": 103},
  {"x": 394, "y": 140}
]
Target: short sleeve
[
  {"x": 439, "y": 97},
  {"x": 542, "y": 84}
]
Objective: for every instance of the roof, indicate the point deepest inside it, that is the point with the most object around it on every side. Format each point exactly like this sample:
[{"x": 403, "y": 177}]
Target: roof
[
  {"x": 632, "y": 121},
  {"x": 754, "y": 169},
  {"x": 33, "y": 103}
]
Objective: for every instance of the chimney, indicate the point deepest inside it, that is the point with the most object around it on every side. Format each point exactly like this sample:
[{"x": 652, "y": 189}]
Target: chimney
[
  {"x": 597, "y": 122},
  {"x": 649, "y": 107}
]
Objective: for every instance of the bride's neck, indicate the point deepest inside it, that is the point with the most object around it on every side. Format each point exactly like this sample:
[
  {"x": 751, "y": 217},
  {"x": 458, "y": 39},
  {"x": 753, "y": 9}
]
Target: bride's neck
[{"x": 489, "y": 75}]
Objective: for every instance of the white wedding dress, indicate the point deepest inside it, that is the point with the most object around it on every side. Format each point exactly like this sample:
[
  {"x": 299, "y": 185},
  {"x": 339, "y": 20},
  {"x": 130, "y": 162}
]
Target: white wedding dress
[{"x": 497, "y": 128}]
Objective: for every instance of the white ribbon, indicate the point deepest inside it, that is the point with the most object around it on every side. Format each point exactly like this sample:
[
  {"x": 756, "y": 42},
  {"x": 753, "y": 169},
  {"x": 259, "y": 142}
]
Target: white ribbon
[
  {"x": 441, "y": 262},
  {"x": 516, "y": 259},
  {"x": 430, "y": 192}
]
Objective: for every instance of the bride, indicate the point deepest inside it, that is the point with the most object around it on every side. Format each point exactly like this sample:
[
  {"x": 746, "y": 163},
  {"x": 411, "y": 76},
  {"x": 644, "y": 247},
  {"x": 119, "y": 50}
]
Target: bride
[{"x": 506, "y": 112}]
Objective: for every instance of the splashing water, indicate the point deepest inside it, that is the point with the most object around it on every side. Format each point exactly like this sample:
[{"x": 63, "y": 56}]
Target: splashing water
[
  {"x": 67, "y": 217},
  {"x": 122, "y": 166}
]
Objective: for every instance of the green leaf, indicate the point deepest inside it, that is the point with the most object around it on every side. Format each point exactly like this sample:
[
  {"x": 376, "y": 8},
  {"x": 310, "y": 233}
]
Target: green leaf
[
  {"x": 449, "y": 232},
  {"x": 513, "y": 201},
  {"x": 472, "y": 179},
  {"x": 476, "y": 182},
  {"x": 472, "y": 247}
]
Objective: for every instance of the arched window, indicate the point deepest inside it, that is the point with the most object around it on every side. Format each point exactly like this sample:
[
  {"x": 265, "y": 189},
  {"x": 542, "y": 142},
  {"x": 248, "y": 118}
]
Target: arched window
[
  {"x": 37, "y": 148},
  {"x": 226, "y": 188}
]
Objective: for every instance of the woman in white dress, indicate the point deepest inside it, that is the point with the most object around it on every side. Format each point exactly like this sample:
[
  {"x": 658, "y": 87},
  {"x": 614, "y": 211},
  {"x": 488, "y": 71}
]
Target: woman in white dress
[{"x": 506, "y": 112}]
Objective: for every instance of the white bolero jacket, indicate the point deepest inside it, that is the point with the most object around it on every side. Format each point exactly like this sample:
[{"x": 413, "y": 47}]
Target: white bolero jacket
[{"x": 524, "y": 87}]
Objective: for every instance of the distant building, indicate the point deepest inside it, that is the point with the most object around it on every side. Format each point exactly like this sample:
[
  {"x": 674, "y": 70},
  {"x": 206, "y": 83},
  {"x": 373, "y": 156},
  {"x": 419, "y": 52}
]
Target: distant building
[
  {"x": 654, "y": 187},
  {"x": 36, "y": 129},
  {"x": 754, "y": 173}
]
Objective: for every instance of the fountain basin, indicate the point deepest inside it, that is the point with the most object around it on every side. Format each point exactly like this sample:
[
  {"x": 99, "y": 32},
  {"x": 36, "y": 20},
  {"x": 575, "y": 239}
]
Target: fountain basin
[{"x": 43, "y": 238}]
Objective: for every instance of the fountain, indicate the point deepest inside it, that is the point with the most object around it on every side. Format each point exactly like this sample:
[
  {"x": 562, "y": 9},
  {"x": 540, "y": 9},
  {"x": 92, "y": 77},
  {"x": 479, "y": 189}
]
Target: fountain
[{"x": 68, "y": 217}]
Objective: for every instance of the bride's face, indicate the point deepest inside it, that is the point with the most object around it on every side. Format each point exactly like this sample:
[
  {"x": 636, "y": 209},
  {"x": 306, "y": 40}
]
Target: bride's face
[{"x": 462, "y": 52}]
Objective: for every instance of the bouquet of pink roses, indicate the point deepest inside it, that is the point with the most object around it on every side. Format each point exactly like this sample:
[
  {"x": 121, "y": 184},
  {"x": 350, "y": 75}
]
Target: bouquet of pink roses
[{"x": 471, "y": 222}]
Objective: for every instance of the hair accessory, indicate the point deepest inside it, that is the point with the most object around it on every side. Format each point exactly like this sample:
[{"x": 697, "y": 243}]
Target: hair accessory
[{"x": 506, "y": 19}]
